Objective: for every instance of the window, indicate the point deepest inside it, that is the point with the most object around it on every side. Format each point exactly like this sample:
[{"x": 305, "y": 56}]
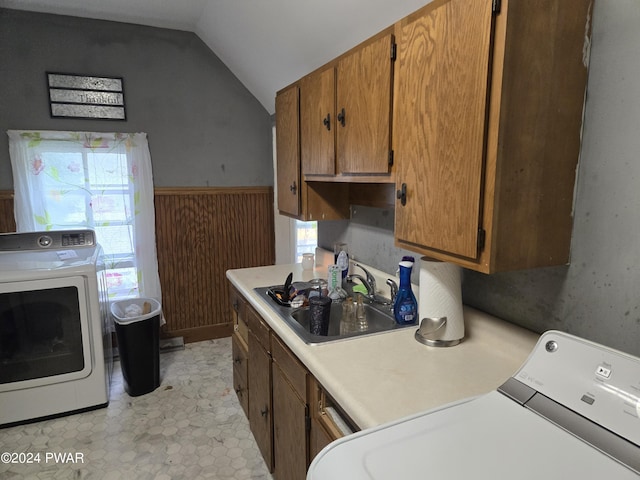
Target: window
[
  {"x": 306, "y": 238},
  {"x": 107, "y": 208},
  {"x": 66, "y": 180}
]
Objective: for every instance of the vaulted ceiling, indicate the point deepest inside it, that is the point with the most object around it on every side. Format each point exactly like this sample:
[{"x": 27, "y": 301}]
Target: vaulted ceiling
[{"x": 267, "y": 44}]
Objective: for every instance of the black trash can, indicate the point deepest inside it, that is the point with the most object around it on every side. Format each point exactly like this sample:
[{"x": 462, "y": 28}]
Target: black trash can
[{"x": 138, "y": 344}]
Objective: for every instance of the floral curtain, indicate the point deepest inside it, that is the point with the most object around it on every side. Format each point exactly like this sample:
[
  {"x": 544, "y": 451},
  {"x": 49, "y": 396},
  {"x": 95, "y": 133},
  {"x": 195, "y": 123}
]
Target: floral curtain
[{"x": 103, "y": 181}]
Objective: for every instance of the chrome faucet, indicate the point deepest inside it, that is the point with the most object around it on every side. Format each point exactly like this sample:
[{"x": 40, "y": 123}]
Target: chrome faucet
[
  {"x": 393, "y": 287},
  {"x": 371, "y": 289},
  {"x": 367, "y": 285}
]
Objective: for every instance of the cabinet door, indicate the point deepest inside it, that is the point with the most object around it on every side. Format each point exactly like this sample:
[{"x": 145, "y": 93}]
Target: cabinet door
[
  {"x": 240, "y": 382},
  {"x": 364, "y": 82},
  {"x": 440, "y": 107},
  {"x": 318, "y": 123},
  {"x": 260, "y": 407},
  {"x": 318, "y": 439},
  {"x": 290, "y": 434},
  {"x": 288, "y": 151}
]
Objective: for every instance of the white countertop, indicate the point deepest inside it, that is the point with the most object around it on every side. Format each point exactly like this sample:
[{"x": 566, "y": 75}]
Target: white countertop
[{"x": 384, "y": 377}]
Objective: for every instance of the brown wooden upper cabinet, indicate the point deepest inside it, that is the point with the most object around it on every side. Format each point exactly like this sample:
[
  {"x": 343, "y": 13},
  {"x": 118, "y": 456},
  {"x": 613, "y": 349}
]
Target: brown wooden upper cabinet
[
  {"x": 345, "y": 112},
  {"x": 487, "y": 119},
  {"x": 297, "y": 198},
  {"x": 318, "y": 123},
  {"x": 288, "y": 150}
]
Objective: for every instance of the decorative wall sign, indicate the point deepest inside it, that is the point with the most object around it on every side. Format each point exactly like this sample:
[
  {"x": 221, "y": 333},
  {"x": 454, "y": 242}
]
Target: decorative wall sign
[{"x": 79, "y": 96}]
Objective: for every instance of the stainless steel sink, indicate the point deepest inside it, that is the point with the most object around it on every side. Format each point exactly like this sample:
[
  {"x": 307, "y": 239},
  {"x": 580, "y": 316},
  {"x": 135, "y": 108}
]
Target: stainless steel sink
[{"x": 378, "y": 319}]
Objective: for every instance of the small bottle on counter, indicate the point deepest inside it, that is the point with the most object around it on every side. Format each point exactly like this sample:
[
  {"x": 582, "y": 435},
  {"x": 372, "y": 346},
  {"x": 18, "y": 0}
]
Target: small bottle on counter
[
  {"x": 334, "y": 283},
  {"x": 405, "y": 307},
  {"x": 341, "y": 257}
]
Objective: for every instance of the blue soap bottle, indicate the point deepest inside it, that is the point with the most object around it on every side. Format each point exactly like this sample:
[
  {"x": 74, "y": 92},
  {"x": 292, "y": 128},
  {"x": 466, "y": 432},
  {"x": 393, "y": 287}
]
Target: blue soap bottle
[{"x": 405, "y": 308}]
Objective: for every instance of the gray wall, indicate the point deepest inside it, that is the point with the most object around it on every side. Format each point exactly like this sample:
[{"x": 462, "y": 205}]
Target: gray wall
[
  {"x": 369, "y": 234},
  {"x": 204, "y": 127},
  {"x": 598, "y": 295}
]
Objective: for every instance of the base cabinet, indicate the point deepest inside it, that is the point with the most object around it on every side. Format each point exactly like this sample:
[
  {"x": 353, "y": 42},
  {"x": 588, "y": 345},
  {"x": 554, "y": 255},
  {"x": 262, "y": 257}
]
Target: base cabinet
[
  {"x": 239, "y": 354},
  {"x": 281, "y": 397},
  {"x": 240, "y": 348},
  {"x": 290, "y": 429},
  {"x": 260, "y": 406}
]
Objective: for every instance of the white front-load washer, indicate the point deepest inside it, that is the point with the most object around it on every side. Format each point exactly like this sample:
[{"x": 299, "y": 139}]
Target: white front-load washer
[
  {"x": 55, "y": 335},
  {"x": 571, "y": 412}
]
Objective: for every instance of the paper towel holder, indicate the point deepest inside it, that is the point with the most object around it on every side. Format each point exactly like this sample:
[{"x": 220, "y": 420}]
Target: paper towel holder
[{"x": 431, "y": 330}]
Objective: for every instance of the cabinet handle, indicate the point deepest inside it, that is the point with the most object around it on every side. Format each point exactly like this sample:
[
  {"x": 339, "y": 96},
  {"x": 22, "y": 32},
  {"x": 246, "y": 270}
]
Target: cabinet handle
[
  {"x": 264, "y": 412},
  {"x": 341, "y": 117},
  {"x": 293, "y": 188},
  {"x": 238, "y": 391},
  {"x": 237, "y": 360},
  {"x": 327, "y": 121},
  {"x": 402, "y": 194}
]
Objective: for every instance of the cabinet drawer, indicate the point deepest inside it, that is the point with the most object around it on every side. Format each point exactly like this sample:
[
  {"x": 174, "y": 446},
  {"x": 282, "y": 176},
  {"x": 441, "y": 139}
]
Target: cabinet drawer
[
  {"x": 239, "y": 354},
  {"x": 294, "y": 371},
  {"x": 239, "y": 306},
  {"x": 237, "y": 300},
  {"x": 259, "y": 328},
  {"x": 240, "y": 371}
]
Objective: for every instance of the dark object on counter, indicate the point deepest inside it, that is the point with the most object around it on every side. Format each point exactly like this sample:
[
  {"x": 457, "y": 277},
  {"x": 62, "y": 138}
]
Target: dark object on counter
[
  {"x": 293, "y": 295},
  {"x": 287, "y": 285},
  {"x": 319, "y": 315},
  {"x": 278, "y": 294}
]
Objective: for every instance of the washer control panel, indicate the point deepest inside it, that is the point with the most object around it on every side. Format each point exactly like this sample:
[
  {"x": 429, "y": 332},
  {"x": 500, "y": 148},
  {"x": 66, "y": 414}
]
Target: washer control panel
[
  {"x": 597, "y": 382},
  {"x": 52, "y": 240}
]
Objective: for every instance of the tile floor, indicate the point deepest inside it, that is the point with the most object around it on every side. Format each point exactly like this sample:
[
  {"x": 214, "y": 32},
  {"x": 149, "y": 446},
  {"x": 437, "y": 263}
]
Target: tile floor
[{"x": 191, "y": 427}]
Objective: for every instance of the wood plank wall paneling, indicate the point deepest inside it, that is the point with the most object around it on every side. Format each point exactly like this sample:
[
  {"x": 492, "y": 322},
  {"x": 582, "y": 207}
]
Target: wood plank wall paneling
[
  {"x": 200, "y": 234},
  {"x": 7, "y": 220}
]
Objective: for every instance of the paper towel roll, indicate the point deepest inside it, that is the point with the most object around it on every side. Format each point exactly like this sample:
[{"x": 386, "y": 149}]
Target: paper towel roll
[{"x": 441, "y": 296}]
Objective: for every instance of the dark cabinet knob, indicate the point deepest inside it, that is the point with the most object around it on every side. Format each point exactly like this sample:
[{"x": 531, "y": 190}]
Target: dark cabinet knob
[
  {"x": 341, "y": 117},
  {"x": 327, "y": 121},
  {"x": 264, "y": 412},
  {"x": 293, "y": 188}
]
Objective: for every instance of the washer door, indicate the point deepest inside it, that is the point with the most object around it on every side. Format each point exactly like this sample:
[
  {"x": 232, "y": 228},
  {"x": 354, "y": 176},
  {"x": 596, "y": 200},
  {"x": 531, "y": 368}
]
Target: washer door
[{"x": 44, "y": 332}]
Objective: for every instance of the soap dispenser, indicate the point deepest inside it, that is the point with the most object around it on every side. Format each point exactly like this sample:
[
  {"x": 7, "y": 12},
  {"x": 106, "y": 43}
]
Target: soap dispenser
[{"x": 405, "y": 307}]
